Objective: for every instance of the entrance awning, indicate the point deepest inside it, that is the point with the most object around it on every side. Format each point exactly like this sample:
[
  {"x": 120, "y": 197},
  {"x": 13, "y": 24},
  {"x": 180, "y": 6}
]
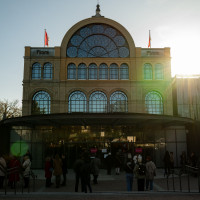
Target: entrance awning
[{"x": 88, "y": 119}]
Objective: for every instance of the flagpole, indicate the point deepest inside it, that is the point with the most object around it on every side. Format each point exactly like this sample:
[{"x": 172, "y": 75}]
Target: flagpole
[
  {"x": 44, "y": 36},
  {"x": 150, "y": 37}
]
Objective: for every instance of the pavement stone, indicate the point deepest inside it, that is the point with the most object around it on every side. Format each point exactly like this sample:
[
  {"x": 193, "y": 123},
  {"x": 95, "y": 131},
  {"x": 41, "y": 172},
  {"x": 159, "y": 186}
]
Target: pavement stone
[{"x": 108, "y": 187}]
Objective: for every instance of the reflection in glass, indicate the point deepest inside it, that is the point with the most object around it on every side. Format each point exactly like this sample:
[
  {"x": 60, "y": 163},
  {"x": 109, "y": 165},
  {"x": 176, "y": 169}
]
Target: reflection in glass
[
  {"x": 41, "y": 103},
  {"x": 154, "y": 103},
  {"x": 48, "y": 71},
  {"x": 148, "y": 74},
  {"x": 159, "y": 72},
  {"x": 98, "y": 102},
  {"x": 71, "y": 71},
  {"x": 77, "y": 102},
  {"x": 36, "y": 71},
  {"x": 114, "y": 72},
  {"x": 103, "y": 72},
  {"x": 82, "y": 72},
  {"x": 124, "y": 72},
  {"x": 118, "y": 102},
  {"x": 92, "y": 71}
]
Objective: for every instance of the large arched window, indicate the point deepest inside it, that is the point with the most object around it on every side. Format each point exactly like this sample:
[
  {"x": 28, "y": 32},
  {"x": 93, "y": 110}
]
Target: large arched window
[
  {"x": 118, "y": 102},
  {"x": 148, "y": 73},
  {"x": 36, "y": 71},
  {"x": 77, "y": 102},
  {"x": 159, "y": 72},
  {"x": 82, "y": 72},
  {"x": 98, "y": 102},
  {"x": 92, "y": 71},
  {"x": 103, "y": 72},
  {"x": 98, "y": 40},
  {"x": 154, "y": 103},
  {"x": 124, "y": 74},
  {"x": 48, "y": 71},
  {"x": 71, "y": 71},
  {"x": 114, "y": 72},
  {"x": 41, "y": 103}
]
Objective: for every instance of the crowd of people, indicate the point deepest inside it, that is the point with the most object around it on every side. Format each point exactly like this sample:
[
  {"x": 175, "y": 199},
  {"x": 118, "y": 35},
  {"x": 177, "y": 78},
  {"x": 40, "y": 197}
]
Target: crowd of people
[
  {"x": 15, "y": 167},
  {"x": 87, "y": 166},
  {"x": 143, "y": 171},
  {"x": 135, "y": 166},
  {"x": 191, "y": 160},
  {"x": 83, "y": 167}
]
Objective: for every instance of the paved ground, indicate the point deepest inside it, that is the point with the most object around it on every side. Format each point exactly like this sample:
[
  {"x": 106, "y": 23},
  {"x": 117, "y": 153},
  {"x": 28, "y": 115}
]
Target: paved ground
[{"x": 109, "y": 187}]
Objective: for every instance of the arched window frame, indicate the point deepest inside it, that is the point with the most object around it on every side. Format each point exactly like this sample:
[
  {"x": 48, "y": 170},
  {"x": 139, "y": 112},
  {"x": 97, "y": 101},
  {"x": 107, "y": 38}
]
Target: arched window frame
[
  {"x": 48, "y": 71},
  {"x": 77, "y": 102},
  {"x": 36, "y": 71},
  {"x": 124, "y": 72},
  {"x": 148, "y": 71},
  {"x": 98, "y": 40},
  {"x": 118, "y": 102},
  {"x": 154, "y": 102},
  {"x": 103, "y": 71},
  {"x": 114, "y": 72},
  {"x": 41, "y": 103},
  {"x": 98, "y": 102},
  {"x": 159, "y": 71},
  {"x": 82, "y": 72},
  {"x": 71, "y": 71},
  {"x": 92, "y": 71}
]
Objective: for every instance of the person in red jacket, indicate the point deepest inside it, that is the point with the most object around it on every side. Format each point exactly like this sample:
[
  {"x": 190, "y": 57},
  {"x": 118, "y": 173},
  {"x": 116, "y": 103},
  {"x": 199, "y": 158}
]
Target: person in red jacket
[
  {"x": 48, "y": 171},
  {"x": 14, "y": 167}
]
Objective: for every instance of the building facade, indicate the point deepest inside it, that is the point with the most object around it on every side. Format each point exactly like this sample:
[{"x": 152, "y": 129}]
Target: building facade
[{"x": 98, "y": 91}]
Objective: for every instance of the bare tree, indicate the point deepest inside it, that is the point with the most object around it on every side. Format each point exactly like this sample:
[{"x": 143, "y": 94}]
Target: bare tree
[{"x": 9, "y": 109}]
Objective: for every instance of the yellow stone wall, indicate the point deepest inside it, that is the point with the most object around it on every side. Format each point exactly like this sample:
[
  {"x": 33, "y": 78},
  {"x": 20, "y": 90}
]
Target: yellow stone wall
[{"x": 60, "y": 88}]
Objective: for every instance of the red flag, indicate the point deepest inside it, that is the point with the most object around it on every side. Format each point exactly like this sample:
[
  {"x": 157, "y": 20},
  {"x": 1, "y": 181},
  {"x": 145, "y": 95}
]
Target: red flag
[
  {"x": 46, "y": 39},
  {"x": 149, "y": 44}
]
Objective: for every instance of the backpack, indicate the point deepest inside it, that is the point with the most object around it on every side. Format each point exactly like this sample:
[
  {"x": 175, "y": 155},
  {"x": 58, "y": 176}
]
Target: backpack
[{"x": 141, "y": 170}]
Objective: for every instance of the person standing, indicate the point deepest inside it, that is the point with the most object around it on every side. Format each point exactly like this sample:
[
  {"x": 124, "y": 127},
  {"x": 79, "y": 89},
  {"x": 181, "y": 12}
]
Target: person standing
[
  {"x": 109, "y": 162},
  {"x": 57, "y": 165},
  {"x": 85, "y": 173},
  {"x": 129, "y": 167},
  {"x": 95, "y": 167},
  {"x": 193, "y": 160},
  {"x": 14, "y": 166},
  {"x": 140, "y": 171},
  {"x": 28, "y": 153},
  {"x": 64, "y": 169},
  {"x": 48, "y": 171},
  {"x": 117, "y": 163},
  {"x": 167, "y": 163},
  {"x": 27, "y": 169},
  {"x": 171, "y": 160},
  {"x": 150, "y": 172},
  {"x": 77, "y": 169},
  {"x": 137, "y": 157},
  {"x": 3, "y": 166},
  {"x": 183, "y": 161}
]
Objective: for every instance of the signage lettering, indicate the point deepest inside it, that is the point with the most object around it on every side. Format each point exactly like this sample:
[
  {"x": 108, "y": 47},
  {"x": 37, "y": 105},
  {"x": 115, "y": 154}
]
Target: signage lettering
[
  {"x": 39, "y": 52},
  {"x": 156, "y": 53}
]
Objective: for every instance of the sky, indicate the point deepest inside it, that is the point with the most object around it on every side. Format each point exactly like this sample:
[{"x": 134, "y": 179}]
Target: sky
[{"x": 173, "y": 23}]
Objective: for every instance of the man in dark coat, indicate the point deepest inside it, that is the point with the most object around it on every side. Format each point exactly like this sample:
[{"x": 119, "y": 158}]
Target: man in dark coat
[{"x": 64, "y": 169}]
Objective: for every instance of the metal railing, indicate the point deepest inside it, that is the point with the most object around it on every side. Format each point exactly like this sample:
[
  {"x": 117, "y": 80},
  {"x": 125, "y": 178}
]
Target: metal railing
[
  {"x": 187, "y": 173},
  {"x": 17, "y": 171}
]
